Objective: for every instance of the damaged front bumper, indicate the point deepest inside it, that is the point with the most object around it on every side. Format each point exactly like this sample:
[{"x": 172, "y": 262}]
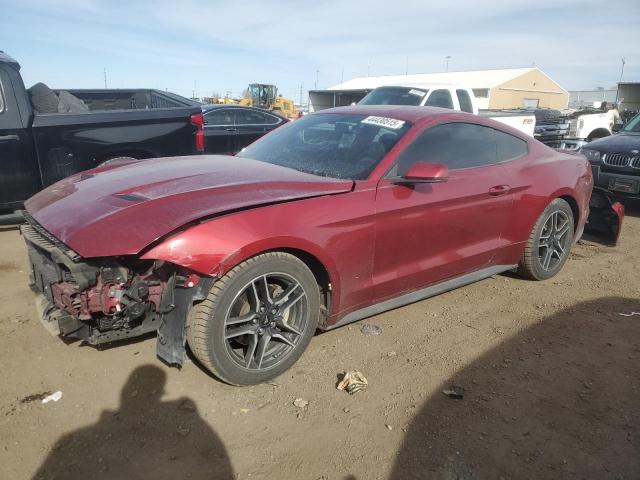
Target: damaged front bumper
[{"x": 105, "y": 300}]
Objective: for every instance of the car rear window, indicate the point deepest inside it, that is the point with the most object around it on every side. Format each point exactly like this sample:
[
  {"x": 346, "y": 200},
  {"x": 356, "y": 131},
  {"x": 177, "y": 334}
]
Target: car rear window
[{"x": 394, "y": 96}]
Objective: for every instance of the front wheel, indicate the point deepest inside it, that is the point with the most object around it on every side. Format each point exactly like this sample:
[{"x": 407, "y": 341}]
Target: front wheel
[
  {"x": 257, "y": 320},
  {"x": 550, "y": 242}
]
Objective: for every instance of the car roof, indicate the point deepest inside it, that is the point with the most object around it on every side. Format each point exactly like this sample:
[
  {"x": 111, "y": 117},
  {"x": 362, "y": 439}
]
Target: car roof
[{"x": 400, "y": 112}]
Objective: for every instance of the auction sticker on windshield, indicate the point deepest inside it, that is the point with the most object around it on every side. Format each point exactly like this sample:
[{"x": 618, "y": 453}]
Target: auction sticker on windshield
[
  {"x": 390, "y": 123},
  {"x": 419, "y": 93}
]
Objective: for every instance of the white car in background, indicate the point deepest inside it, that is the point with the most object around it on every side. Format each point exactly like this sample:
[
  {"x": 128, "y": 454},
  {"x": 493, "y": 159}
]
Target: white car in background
[{"x": 453, "y": 97}]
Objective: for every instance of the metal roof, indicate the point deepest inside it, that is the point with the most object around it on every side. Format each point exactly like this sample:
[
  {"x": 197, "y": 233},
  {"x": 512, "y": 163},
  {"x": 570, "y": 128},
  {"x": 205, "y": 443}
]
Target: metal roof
[{"x": 472, "y": 79}]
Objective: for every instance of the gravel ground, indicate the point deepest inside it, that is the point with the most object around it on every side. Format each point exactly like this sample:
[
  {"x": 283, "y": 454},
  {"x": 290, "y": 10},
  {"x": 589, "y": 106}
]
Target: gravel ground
[{"x": 548, "y": 372}]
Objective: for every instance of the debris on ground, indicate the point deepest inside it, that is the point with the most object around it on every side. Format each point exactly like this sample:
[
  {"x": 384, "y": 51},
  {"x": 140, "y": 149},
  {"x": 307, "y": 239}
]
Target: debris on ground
[
  {"x": 54, "y": 397},
  {"x": 301, "y": 403},
  {"x": 454, "y": 391},
  {"x": 631, "y": 314},
  {"x": 389, "y": 427},
  {"x": 352, "y": 381},
  {"x": 35, "y": 397},
  {"x": 370, "y": 329}
]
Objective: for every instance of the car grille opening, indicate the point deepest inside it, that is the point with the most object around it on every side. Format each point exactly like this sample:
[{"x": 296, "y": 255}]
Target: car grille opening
[{"x": 620, "y": 160}]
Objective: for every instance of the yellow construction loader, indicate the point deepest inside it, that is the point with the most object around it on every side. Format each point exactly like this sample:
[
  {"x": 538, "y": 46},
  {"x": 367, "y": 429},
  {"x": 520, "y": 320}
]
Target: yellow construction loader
[
  {"x": 266, "y": 96},
  {"x": 263, "y": 96}
]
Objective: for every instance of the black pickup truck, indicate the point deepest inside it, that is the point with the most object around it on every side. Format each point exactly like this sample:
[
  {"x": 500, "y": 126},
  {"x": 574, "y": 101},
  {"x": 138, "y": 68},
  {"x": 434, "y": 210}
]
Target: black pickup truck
[{"x": 38, "y": 149}]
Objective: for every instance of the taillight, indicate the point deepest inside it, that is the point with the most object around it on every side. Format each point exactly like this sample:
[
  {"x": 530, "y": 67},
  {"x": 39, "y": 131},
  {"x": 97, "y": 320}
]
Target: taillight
[{"x": 198, "y": 121}]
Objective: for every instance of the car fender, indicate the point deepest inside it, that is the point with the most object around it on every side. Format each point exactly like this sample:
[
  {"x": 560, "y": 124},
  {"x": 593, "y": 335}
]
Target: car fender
[{"x": 326, "y": 228}]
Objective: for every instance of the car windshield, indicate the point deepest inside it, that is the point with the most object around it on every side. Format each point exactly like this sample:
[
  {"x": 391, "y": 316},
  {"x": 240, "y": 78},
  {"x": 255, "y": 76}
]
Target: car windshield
[
  {"x": 394, "y": 96},
  {"x": 330, "y": 145},
  {"x": 633, "y": 125}
]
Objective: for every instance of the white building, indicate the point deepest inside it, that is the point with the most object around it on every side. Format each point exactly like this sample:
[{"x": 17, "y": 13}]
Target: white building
[{"x": 494, "y": 89}]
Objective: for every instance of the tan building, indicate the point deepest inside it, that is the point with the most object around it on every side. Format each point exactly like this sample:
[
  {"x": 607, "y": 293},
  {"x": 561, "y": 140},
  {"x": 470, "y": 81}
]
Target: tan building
[{"x": 494, "y": 89}]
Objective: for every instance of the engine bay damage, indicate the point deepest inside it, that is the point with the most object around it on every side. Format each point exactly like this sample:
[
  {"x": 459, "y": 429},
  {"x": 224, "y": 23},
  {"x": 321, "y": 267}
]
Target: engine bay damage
[{"x": 104, "y": 300}]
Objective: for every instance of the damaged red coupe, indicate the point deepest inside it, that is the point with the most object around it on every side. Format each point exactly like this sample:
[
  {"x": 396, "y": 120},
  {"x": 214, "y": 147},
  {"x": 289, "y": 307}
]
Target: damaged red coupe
[{"x": 335, "y": 217}]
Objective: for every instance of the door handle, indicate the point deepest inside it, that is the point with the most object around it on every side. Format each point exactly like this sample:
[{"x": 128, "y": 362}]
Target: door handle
[
  {"x": 6, "y": 138},
  {"x": 231, "y": 129},
  {"x": 499, "y": 190}
]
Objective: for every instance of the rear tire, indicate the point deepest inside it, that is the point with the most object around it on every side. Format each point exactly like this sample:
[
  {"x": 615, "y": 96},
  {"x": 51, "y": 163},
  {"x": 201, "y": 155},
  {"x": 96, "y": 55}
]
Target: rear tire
[
  {"x": 549, "y": 243},
  {"x": 257, "y": 320}
]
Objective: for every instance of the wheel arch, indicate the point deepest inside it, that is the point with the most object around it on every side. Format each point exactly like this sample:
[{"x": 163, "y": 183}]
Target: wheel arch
[
  {"x": 321, "y": 267},
  {"x": 574, "y": 209},
  {"x": 598, "y": 133},
  {"x": 217, "y": 264},
  {"x": 320, "y": 272}
]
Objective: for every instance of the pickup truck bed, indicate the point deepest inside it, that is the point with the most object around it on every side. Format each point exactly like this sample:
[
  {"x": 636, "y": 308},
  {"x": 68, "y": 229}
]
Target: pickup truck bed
[{"x": 38, "y": 149}]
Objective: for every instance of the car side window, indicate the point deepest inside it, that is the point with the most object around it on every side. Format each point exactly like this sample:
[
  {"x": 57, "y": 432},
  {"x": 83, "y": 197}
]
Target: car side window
[
  {"x": 251, "y": 117},
  {"x": 510, "y": 147},
  {"x": 457, "y": 145},
  {"x": 440, "y": 98},
  {"x": 219, "y": 117},
  {"x": 465, "y": 100}
]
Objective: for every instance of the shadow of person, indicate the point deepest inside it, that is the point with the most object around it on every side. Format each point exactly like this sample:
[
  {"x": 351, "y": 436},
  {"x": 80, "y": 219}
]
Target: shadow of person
[
  {"x": 145, "y": 438},
  {"x": 558, "y": 400}
]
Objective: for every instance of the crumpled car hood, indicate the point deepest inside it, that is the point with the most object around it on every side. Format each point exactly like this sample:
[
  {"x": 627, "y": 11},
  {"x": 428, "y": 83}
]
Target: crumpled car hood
[{"x": 121, "y": 209}]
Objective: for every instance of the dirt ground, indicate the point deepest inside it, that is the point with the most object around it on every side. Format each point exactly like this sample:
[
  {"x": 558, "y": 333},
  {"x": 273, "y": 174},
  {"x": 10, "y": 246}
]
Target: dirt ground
[{"x": 550, "y": 372}]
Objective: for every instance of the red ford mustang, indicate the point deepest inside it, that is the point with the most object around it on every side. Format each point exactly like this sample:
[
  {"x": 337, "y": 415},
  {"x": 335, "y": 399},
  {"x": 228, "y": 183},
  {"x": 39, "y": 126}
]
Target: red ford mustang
[{"x": 332, "y": 218}]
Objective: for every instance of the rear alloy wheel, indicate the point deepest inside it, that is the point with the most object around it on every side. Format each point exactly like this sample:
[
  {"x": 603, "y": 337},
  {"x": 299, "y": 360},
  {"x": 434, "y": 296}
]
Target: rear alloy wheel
[
  {"x": 550, "y": 242},
  {"x": 257, "y": 320}
]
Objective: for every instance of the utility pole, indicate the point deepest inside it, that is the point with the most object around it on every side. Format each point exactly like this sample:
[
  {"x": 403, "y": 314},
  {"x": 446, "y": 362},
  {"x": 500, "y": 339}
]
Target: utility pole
[
  {"x": 105, "y": 78},
  {"x": 624, "y": 60},
  {"x": 447, "y": 58},
  {"x": 301, "y": 90},
  {"x": 406, "y": 66}
]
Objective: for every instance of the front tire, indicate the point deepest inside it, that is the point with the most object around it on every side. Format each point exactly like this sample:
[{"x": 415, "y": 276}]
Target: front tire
[
  {"x": 257, "y": 319},
  {"x": 550, "y": 242}
]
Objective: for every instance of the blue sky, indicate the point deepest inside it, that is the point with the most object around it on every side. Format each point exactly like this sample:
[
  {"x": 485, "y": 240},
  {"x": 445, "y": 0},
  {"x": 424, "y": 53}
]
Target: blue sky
[{"x": 215, "y": 46}]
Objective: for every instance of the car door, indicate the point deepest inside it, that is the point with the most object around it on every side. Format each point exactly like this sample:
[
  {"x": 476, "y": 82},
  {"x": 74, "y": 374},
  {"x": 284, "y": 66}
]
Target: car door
[
  {"x": 220, "y": 131},
  {"x": 19, "y": 176},
  {"x": 429, "y": 232},
  {"x": 253, "y": 124}
]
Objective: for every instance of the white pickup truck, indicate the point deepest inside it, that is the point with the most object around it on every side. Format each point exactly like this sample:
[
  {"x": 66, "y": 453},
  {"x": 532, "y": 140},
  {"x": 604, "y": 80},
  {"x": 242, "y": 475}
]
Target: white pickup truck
[
  {"x": 446, "y": 96},
  {"x": 585, "y": 126}
]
